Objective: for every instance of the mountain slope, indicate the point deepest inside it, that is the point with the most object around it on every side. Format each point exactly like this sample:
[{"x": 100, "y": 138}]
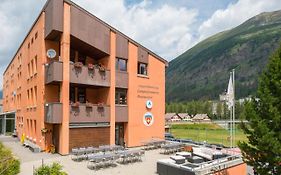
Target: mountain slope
[{"x": 202, "y": 72}]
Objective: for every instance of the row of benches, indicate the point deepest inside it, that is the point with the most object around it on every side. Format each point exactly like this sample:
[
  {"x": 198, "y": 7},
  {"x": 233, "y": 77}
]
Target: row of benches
[{"x": 97, "y": 161}]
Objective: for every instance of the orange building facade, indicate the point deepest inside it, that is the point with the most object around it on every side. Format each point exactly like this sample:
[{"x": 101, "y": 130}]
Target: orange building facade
[{"x": 75, "y": 81}]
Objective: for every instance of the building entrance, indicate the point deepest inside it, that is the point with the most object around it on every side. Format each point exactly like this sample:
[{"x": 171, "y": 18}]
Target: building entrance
[
  {"x": 7, "y": 123},
  {"x": 119, "y": 134}
]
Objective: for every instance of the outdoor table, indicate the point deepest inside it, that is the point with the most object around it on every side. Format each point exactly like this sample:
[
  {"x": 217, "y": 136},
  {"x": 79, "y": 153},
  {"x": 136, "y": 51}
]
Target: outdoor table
[
  {"x": 78, "y": 151},
  {"x": 178, "y": 159},
  {"x": 75, "y": 151},
  {"x": 195, "y": 159},
  {"x": 79, "y": 157},
  {"x": 184, "y": 154},
  {"x": 171, "y": 148},
  {"x": 130, "y": 155},
  {"x": 101, "y": 160},
  {"x": 117, "y": 147},
  {"x": 91, "y": 150},
  {"x": 153, "y": 144},
  {"x": 106, "y": 148}
]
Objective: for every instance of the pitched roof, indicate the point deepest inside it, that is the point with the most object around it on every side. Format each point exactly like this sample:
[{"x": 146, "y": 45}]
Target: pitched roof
[
  {"x": 200, "y": 117},
  {"x": 169, "y": 115},
  {"x": 183, "y": 115}
]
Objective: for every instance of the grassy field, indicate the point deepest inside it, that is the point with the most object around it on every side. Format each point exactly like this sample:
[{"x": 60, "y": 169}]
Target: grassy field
[{"x": 210, "y": 133}]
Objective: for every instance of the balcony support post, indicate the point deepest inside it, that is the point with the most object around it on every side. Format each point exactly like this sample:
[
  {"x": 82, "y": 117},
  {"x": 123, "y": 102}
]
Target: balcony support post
[
  {"x": 64, "y": 96},
  {"x": 112, "y": 86}
]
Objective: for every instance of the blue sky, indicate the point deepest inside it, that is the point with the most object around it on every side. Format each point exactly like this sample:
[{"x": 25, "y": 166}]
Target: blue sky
[
  {"x": 205, "y": 7},
  {"x": 167, "y": 27}
]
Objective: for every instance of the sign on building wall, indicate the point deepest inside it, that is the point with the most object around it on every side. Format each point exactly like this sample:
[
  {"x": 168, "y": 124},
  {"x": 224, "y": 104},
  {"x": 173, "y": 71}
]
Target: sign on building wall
[
  {"x": 149, "y": 104},
  {"x": 148, "y": 119},
  {"x": 147, "y": 92}
]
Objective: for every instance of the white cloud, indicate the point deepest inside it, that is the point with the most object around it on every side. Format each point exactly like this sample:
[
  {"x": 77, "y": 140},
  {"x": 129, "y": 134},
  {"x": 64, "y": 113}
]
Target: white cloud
[
  {"x": 235, "y": 14},
  {"x": 16, "y": 17},
  {"x": 165, "y": 29}
]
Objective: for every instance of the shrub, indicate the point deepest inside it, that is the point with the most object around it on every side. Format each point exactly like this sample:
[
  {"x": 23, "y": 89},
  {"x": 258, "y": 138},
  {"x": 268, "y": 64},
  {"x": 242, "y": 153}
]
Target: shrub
[
  {"x": 53, "y": 169},
  {"x": 9, "y": 165}
]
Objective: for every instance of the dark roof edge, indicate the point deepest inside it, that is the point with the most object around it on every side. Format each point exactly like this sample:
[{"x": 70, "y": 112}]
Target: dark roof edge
[
  {"x": 117, "y": 31},
  {"x": 33, "y": 24}
]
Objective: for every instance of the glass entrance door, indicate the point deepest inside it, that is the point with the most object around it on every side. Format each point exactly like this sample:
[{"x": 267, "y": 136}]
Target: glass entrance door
[{"x": 119, "y": 134}]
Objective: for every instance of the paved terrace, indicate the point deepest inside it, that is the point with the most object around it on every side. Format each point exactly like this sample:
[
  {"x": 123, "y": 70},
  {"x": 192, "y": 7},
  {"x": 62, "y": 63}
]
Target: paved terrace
[{"x": 30, "y": 160}]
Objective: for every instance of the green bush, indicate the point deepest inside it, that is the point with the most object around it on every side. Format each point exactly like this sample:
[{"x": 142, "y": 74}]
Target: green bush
[
  {"x": 9, "y": 165},
  {"x": 54, "y": 169}
]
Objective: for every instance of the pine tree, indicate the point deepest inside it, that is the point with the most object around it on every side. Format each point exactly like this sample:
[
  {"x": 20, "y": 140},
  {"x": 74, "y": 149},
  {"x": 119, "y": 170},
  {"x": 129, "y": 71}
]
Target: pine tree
[
  {"x": 263, "y": 150},
  {"x": 219, "y": 109}
]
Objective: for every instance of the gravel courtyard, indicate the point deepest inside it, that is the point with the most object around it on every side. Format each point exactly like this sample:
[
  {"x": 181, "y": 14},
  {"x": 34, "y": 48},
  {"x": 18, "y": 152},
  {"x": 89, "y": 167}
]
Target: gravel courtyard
[{"x": 30, "y": 160}]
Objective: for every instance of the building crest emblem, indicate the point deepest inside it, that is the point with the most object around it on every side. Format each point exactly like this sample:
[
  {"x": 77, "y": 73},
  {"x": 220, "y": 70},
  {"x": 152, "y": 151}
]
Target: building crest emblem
[{"x": 148, "y": 119}]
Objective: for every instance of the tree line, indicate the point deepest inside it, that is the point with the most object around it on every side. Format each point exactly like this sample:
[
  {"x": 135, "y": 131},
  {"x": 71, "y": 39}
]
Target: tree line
[{"x": 216, "y": 110}]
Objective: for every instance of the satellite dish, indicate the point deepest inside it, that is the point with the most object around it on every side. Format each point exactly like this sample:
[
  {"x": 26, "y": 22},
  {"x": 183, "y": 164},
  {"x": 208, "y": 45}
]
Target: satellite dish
[{"x": 51, "y": 53}]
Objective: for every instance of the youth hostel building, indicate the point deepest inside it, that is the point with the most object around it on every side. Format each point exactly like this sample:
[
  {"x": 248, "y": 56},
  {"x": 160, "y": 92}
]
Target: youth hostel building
[{"x": 75, "y": 81}]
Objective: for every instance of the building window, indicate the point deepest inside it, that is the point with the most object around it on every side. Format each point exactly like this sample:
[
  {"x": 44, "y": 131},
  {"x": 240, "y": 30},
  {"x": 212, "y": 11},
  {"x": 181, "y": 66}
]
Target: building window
[
  {"x": 82, "y": 95},
  {"x": 121, "y": 64},
  {"x": 28, "y": 98},
  {"x": 31, "y": 128},
  {"x": 28, "y": 70},
  {"x": 31, "y": 96},
  {"x": 36, "y": 35},
  {"x": 121, "y": 96},
  {"x": 28, "y": 131},
  {"x": 35, "y": 127},
  {"x": 35, "y": 95},
  {"x": 32, "y": 67},
  {"x": 142, "y": 68},
  {"x": 35, "y": 62},
  {"x": 72, "y": 94}
]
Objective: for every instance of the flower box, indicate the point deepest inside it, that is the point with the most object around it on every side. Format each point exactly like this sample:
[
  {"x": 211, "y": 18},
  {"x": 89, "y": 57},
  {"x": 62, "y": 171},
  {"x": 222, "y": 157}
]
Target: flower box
[
  {"x": 76, "y": 104},
  {"x": 101, "y": 67},
  {"x": 91, "y": 67},
  {"x": 89, "y": 105},
  {"x": 78, "y": 65},
  {"x": 100, "y": 105}
]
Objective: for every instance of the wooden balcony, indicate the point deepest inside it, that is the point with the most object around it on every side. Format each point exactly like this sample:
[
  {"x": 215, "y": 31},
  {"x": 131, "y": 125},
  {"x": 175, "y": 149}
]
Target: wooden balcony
[
  {"x": 83, "y": 113},
  {"x": 53, "y": 72},
  {"x": 86, "y": 76},
  {"x": 121, "y": 113},
  {"x": 121, "y": 79},
  {"x": 53, "y": 113}
]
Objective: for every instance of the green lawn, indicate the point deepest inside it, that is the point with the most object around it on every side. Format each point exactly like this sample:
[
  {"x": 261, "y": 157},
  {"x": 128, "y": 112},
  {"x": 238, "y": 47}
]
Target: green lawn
[{"x": 210, "y": 133}]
